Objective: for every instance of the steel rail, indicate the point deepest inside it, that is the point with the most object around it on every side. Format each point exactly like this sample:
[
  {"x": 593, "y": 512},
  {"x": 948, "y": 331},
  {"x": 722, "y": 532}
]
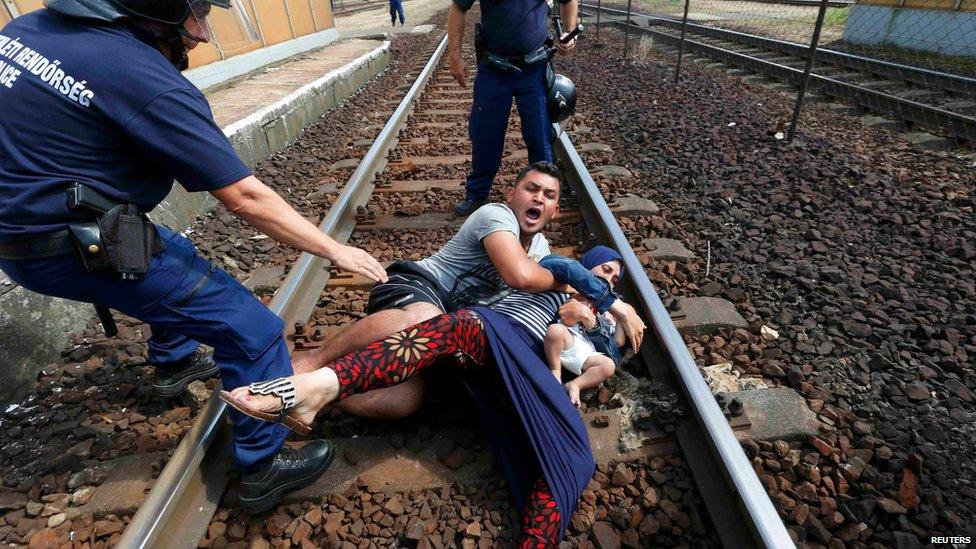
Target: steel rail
[
  {"x": 955, "y": 124},
  {"x": 178, "y": 509},
  {"x": 917, "y": 75},
  {"x": 737, "y": 501},
  {"x": 360, "y": 6}
]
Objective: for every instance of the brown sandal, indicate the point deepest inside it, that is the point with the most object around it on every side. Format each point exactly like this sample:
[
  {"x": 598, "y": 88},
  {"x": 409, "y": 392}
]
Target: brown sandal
[{"x": 282, "y": 388}]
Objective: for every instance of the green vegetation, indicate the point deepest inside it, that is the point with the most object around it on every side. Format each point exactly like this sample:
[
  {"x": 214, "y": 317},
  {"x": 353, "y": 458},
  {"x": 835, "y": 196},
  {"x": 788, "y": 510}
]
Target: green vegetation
[{"x": 836, "y": 17}]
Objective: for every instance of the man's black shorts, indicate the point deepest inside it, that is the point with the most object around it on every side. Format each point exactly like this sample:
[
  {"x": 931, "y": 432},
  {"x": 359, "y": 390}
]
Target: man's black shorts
[{"x": 408, "y": 283}]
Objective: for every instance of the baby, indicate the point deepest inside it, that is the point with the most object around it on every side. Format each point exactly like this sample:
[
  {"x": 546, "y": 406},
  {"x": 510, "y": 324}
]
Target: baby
[{"x": 587, "y": 348}]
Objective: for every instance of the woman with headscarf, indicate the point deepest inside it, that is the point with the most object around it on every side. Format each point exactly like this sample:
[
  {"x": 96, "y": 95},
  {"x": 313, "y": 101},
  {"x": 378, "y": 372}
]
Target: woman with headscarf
[
  {"x": 547, "y": 463},
  {"x": 588, "y": 348}
]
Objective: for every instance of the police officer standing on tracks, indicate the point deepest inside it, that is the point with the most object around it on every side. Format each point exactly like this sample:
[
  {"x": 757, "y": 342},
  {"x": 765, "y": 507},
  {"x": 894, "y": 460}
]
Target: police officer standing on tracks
[
  {"x": 512, "y": 62},
  {"x": 95, "y": 124}
]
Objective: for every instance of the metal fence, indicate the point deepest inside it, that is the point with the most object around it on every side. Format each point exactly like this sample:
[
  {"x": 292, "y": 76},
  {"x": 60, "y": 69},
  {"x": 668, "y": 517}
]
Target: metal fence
[{"x": 912, "y": 60}]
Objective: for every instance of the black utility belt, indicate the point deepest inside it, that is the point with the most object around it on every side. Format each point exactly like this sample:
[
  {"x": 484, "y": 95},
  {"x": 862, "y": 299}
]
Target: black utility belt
[
  {"x": 49, "y": 245},
  {"x": 502, "y": 63},
  {"x": 518, "y": 63},
  {"x": 120, "y": 239}
]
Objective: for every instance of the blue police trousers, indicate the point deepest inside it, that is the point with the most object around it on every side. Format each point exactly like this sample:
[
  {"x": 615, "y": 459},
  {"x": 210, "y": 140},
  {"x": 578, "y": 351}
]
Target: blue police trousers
[
  {"x": 396, "y": 8},
  {"x": 493, "y": 93},
  {"x": 185, "y": 300}
]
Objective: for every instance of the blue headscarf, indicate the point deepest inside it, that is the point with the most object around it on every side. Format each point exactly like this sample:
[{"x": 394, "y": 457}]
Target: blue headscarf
[{"x": 598, "y": 255}]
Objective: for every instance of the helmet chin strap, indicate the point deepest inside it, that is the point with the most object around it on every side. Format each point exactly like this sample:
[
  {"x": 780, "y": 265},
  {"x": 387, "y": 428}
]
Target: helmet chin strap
[{"x": 179, "y": 56}]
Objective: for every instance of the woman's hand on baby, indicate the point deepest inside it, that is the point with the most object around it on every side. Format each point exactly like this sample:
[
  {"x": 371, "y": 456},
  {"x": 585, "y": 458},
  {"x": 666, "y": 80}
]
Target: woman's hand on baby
[{"x": 630, "y": 322}]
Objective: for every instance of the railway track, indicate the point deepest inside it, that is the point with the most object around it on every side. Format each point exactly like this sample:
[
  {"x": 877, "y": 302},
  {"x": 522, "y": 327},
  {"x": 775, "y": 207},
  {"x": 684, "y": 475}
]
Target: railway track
[
  {"x": 430, "y": 117},
  {"x": 346, "y": 8},
  {"x": 943, "y": 102}
]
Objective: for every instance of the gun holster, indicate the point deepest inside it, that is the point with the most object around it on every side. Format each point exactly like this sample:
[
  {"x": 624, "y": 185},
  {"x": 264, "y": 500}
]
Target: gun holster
[
  {"x": 120, "y": 239},
  {"x": 87, "y": 238},
  {"x": 88, "y": 242},
  {"x": 479, "y": 44},
  {"x": 129, "y": 239}
]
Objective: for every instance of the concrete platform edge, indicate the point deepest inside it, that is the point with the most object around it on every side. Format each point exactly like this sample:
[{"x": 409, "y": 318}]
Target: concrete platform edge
[
  {"x": 33, "y": 327},
  {"x": 215, "y": 74}
]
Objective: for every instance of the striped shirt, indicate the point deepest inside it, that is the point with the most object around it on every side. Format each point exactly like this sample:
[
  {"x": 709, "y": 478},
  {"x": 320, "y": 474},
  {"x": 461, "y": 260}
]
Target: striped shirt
[{"x": 535, "y": 311}]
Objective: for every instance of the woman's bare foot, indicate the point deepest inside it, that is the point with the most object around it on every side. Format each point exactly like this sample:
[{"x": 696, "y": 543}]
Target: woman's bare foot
[
  {"x": 313, "y": 390},
  {"x": 574, "y": 394}
]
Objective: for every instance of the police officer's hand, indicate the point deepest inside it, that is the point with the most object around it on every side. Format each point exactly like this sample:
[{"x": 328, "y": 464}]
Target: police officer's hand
[
  {"x": 567, "y": 47},
  {"x": 353, "y": 260},
  {"x": 459, "y": 69}
]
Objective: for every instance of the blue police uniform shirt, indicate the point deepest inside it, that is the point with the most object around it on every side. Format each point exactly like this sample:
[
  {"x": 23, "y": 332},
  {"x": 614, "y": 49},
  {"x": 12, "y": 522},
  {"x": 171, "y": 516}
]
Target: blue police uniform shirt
[
  {"x": 511, "y": 28},
  {"x": 101, "y": 106}
]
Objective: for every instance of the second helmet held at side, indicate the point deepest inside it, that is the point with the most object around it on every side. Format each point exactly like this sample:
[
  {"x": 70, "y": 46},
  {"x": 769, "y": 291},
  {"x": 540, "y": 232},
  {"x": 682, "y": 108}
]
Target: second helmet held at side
[{"x": 560, "y": 97}]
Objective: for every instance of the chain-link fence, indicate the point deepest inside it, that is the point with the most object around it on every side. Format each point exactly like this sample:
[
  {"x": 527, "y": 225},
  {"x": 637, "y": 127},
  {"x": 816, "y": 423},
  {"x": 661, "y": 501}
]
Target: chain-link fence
[
  {"x": 912, "y": 60},
  {"x": 935, "y": 34}
]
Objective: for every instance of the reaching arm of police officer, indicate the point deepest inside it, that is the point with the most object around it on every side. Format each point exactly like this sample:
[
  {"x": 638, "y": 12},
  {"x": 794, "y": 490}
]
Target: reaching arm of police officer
[
  {"x": 266, "y": 211},
  {"x": 455, "y": 36},
  {"x": 568, "y": 15}
]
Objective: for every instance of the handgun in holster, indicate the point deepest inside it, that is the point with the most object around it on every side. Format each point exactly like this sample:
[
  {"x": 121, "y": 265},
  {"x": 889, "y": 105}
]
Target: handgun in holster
[
  {"x": 87, "y": 235},
  {"x": 120, "y": 239}
]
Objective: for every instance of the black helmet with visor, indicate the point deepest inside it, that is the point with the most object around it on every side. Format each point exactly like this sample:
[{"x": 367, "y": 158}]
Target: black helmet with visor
[{"x": 190, "y": 18}]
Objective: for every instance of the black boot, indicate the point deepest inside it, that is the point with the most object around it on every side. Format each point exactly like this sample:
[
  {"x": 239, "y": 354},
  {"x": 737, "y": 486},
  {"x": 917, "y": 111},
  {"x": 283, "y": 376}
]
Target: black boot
[
  {"x": 172, "y": 379},
  {"x": 292, "y": 469},
  {"x": 469, "y": 205}
]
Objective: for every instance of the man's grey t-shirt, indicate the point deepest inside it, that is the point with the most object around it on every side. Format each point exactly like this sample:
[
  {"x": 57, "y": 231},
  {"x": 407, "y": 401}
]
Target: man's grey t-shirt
[{"x": 462, "y": 267}]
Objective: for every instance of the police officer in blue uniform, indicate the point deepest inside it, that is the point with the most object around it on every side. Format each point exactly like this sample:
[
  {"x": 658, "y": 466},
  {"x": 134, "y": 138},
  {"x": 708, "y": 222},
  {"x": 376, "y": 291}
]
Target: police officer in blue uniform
[
  {"x": 396, "y": 8},
  {"x": 96, "y": 121},
  {"x": 512, "y": 63}
]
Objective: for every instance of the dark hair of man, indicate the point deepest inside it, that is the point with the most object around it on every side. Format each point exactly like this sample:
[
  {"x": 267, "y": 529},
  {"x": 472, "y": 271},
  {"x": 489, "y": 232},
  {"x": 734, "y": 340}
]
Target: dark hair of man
[{"x": 541, "y": 166}]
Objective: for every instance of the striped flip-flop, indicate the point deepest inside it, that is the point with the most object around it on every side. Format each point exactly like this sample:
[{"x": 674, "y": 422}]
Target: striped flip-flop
[{"x": 282, "y": 388}]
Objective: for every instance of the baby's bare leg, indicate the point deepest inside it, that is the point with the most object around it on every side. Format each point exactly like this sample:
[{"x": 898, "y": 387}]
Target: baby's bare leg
[
  {"x": 596, "y": 370},
  {"x": 557, "y": 339}
]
